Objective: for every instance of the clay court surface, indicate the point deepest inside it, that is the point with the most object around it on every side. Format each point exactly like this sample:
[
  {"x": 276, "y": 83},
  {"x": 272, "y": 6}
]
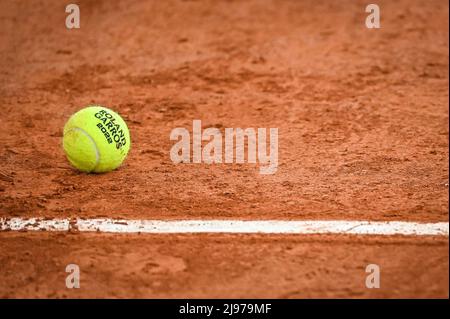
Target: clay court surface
[{"x": 362, "y": 116}]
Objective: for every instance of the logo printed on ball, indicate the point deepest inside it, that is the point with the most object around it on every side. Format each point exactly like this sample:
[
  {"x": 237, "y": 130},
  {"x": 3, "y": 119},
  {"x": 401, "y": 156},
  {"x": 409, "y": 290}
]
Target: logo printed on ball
[
  {"x": 111, "y": 128},
  {"x": 96, "y": 139}
]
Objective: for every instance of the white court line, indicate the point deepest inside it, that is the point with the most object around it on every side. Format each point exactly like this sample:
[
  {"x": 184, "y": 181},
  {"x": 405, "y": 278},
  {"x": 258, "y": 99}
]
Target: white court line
[{"x": 226, "y": 226}]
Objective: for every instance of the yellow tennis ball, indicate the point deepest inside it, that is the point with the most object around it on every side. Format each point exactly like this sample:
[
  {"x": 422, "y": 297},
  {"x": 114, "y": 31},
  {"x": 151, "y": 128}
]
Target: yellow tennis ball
[{"x": 96, "y": 139}]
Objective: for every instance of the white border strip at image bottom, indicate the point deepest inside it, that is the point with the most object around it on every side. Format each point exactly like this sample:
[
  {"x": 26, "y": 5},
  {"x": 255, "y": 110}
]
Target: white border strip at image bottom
[{"x": 227, "y": 226}]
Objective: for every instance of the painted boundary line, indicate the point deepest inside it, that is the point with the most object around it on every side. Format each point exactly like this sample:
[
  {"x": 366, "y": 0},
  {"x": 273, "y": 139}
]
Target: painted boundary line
[{"x": 225, "y": 226}]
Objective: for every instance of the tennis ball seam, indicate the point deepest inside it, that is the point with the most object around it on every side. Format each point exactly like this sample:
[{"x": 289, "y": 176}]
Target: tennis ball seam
[{"x": 97, "y": 153}]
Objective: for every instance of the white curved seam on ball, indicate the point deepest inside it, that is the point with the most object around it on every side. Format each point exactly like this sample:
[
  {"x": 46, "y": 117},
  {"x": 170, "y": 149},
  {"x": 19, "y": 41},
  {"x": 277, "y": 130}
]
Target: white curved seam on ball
[{"x": 97, "y": 153}]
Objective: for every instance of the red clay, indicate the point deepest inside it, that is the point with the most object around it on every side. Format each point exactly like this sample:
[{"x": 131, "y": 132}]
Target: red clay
[
  {"x": 363, "y": 134},
  {"x": 221, "y": 266}
]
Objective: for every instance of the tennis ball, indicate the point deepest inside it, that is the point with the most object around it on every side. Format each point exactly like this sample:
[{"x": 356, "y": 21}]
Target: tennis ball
[{"x": 96, "y": 139}]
